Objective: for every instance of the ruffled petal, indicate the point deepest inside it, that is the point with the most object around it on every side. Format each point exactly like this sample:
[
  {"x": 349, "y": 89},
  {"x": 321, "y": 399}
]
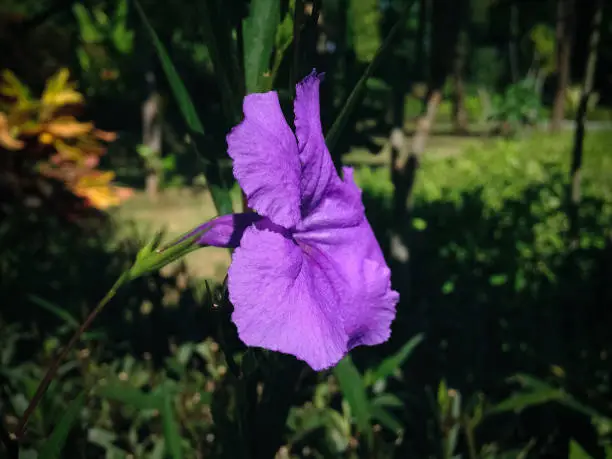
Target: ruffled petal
[
  {"x": 318, "y": 171},
  {"x": 362, "y": 278},
  {"x": 284, "y": 299},
  {"x": 340, "y": 208},
  {"x": 266, "y": 162}
]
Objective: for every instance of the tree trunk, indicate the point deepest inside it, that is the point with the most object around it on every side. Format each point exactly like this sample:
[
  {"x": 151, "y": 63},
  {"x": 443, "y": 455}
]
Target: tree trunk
[
  {"x": 420, "y": 41},
  {"x": 444, "y": 30},
  {"x": 513, "y": 41},
  {"x": 405, "y": 166},
  {"x": 587, "y": 89},
  {"x": 460, "y": 118},
  {"x": 152, "y": 139},
  {"x": 565, "y": 13}
]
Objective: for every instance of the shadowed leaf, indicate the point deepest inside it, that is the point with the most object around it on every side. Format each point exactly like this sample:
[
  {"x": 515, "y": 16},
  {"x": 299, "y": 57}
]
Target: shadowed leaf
[{"x": 52, "y": 448}]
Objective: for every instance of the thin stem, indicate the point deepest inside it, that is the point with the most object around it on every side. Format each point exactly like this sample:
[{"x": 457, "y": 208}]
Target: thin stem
[{"x": 52, "y": 370}]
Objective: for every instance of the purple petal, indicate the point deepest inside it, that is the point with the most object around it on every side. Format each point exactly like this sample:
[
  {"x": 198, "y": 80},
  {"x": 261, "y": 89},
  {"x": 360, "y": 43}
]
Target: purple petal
[
  {"x": 266, "y": 162},
  {"x": 362, "y": 276},
  {"x": 226, "y": 230},
  {"x": 318, "y": 171},
  {"x": 284, "y": 300},
  {"x": 340, "y": 207}
]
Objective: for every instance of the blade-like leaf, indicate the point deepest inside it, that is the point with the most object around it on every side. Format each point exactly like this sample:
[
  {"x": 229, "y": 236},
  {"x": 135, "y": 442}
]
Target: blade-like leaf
[
  {"x": 521, "y": 401},
  {"x": 354, "y": 391},
  {"x": 351, "y": 103},
  {"x": 577, "y": 452},
  {"x": 172, "y": 435},
  {"x": 395, "y": 361},
  {"x": 259, "y": 34},
  {"x": 385, "y": 418},
  {"x": 52, "y": 448},
  {"x": 178, "y": 88},
  {"x": 129, "y": 395},
  {"x": 56, "y": 310}
]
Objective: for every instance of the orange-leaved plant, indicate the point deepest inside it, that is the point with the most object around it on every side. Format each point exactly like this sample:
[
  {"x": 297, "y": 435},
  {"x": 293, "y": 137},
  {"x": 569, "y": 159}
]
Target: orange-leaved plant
[{"x": 56, "y": 143}]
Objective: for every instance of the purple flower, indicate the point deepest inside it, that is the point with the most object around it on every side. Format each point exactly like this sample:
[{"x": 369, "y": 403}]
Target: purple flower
[{"x": 308, "y": 277}]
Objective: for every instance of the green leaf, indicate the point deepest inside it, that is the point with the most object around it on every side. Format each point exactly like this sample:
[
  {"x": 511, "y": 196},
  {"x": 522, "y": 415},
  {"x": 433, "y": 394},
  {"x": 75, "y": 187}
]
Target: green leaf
[
  {"x": 386, "y": 419},
  {"x": 521, "y": 401},
  {"x": 129, "y": 395},
  {"x": 172, "y": 435},
  {"x": 577, "y": 452},
  {"x": 259, "y": 34},
  {"x": 387, "y": 400},
  {"x": 56, "y": 310},
  {"x": 89, "y": 31},
  {"x": 395, "y": 361},
  {"x": 52, "y": 448},
  {"x": 354, "y": 391},
  {"x": 178, "y": 88},
  {"x": 351, "y": 103}
]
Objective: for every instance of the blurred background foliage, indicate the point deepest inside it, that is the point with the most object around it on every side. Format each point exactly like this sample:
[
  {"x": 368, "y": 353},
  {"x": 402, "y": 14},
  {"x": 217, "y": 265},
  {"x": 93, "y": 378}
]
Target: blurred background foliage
[{"x": 467, "y": 137}]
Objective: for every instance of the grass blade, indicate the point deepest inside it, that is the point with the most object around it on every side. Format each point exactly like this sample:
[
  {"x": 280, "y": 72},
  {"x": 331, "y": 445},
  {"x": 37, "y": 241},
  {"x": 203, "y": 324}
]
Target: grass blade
[
  {"x": 259, "y": 34},
  {"x": 351, "y": 103},
  {"x": 52, "y": 448},
  {"x": 178, "y": 88},
  {"x": 56, "y": 310}
]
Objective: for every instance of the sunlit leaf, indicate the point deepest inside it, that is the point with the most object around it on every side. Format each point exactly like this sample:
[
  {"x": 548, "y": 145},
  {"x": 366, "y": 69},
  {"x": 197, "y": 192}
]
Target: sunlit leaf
[
  {"x": 68, "y": 127},
  {"x": 259, "y": 34},
  {"x": 6, "y": 139},
  {"x": 58, "y": 91}
]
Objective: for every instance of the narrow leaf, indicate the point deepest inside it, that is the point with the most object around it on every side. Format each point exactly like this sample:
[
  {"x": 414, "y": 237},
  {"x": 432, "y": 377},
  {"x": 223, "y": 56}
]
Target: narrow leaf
[
  {"x": 178, "y": 88},
  {"x": 521, "y": 401},
  {"x": 172, "y": 435},
  {"x": 577, "y": 452},
  {"x": 395, "y": 361},
  {"x": 129, "y": 395},
  {"x": 354, "y": 391},
  {"x": 354, "y": 98},
  {"x": 52, "y": 448},
  {"x": 259, "y": 34},
  {"x": 386, "y": 419},
  {"x": 56, "y": 310}
]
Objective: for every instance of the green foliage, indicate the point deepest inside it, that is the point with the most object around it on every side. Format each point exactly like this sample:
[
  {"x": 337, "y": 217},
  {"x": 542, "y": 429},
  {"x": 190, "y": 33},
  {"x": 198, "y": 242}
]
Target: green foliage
[
  {"x": 518, "y": 106},
  {"x": 363, "y": 18},
  {"x": 544, "y": 43},
  {"x": 487, "y": 67},
  {"x": 107, "y": 43}
]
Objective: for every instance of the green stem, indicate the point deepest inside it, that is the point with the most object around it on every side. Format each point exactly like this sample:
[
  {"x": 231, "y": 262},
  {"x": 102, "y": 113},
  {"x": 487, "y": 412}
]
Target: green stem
[
  {"x": 471, "y": 441},
  {"x": 52, "y": 370}
]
